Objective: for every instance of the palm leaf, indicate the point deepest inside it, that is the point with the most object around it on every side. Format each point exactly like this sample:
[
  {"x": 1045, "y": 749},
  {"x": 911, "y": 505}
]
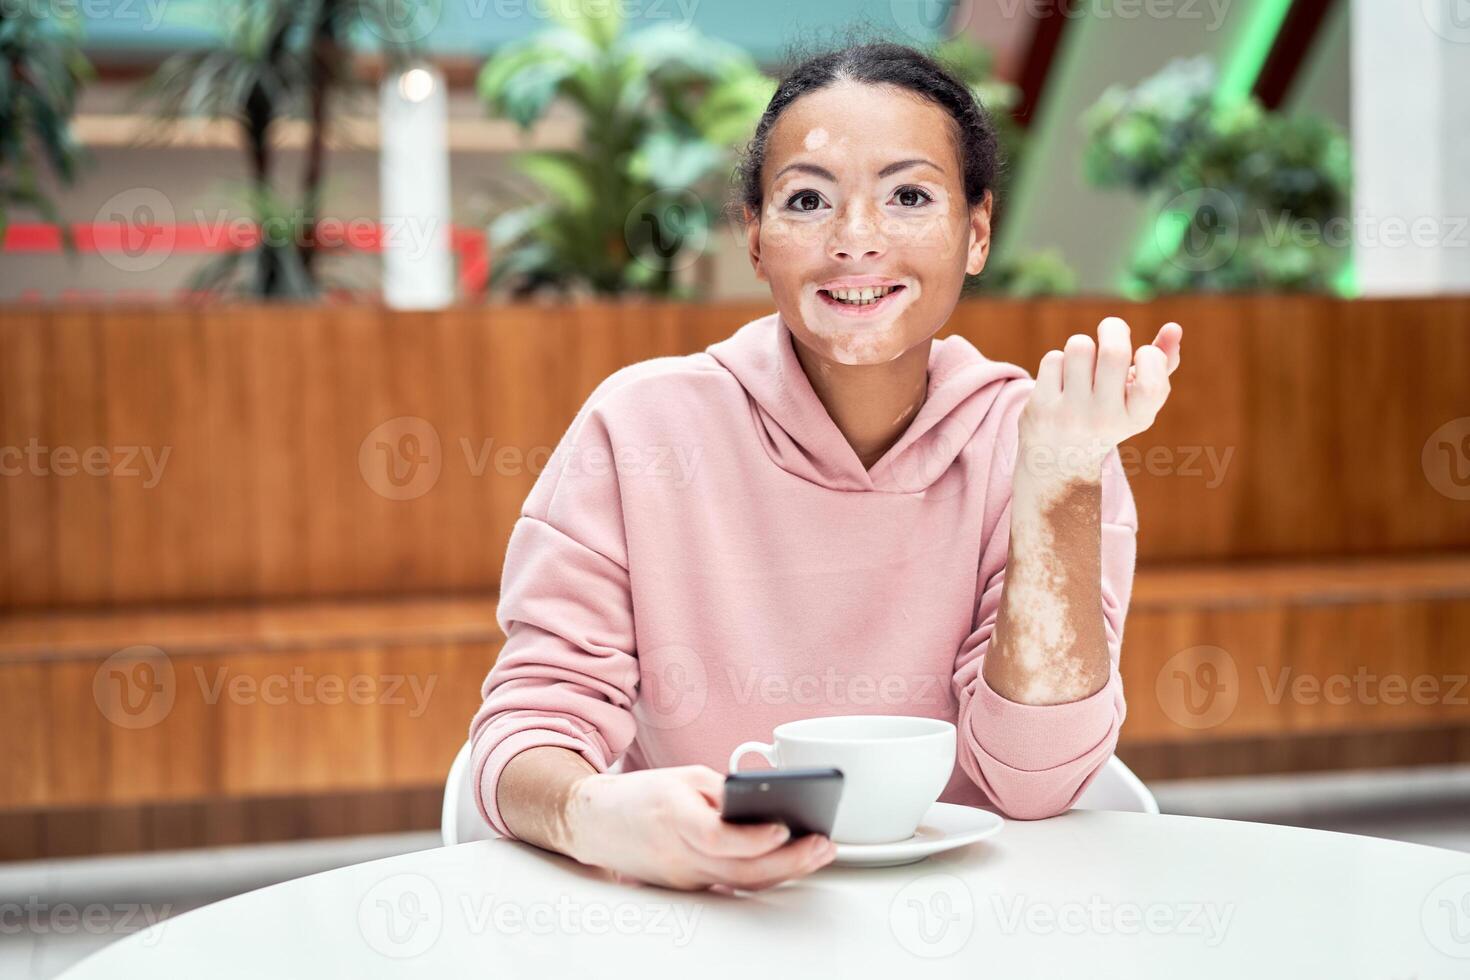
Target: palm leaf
[{"x": 42, "y": 71}]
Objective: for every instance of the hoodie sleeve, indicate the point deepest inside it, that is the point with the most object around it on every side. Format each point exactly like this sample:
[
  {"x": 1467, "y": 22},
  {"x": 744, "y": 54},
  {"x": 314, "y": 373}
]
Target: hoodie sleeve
[
  {"x": 567, "y": 674},
  {"x": 1034, "y": 761}
]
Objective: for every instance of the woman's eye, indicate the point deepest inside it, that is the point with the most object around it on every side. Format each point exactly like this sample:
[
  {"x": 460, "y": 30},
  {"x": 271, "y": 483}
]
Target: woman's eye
[
  {"x": 906, "y": 195},
  {"x": 809, "y": 196}
]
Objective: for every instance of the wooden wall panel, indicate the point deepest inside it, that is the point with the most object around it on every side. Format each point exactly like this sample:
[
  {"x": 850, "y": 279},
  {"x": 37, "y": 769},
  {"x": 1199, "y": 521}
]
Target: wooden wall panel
[
  {"x": 1295, "y": 430},
  {"x": 81, "y": 521},
  {"x": 29, "y": 575}
]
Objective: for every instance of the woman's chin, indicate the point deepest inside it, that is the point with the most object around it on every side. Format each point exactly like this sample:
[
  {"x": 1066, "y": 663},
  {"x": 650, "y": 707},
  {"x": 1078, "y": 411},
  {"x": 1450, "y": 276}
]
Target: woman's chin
[{"x": 861, "y": 349}]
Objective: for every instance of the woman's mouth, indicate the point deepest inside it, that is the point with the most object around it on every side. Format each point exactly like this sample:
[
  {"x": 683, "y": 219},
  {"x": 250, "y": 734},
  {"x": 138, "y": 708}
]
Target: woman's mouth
[{"x": 861, "y": 301}]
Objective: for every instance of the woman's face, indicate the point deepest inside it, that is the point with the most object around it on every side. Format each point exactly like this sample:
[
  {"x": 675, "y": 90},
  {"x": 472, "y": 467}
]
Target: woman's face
[{"x": 863, "y": 188}]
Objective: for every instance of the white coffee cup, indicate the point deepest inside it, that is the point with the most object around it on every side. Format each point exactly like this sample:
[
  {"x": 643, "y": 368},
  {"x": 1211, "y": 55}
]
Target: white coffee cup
[{"x": 894, "y": 767}]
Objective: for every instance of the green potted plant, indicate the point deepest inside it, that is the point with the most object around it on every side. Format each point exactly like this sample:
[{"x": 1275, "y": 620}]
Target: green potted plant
[
  {"x": 1245, "y": 198},
  {"x": 661, "y": 111}
]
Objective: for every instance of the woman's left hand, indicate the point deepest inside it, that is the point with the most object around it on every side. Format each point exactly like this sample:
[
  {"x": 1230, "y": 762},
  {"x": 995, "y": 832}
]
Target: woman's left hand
[{"x": 1091, "y": 396}]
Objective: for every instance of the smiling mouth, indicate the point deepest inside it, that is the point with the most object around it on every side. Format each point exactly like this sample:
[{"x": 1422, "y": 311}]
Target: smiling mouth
[{"x": 866, "y": 300}]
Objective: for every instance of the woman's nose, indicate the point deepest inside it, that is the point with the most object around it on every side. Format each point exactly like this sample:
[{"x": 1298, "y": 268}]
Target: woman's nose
[{"x": 857, "y": 235}]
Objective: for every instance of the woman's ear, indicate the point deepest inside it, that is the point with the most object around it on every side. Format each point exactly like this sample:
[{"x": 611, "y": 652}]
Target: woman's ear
[
  {"x": 979, "y": 236},
  {"x": 753, "y": 240}
]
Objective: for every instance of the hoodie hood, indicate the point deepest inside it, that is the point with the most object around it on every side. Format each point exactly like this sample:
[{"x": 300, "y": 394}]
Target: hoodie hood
[{"x": 801, "y": 438}]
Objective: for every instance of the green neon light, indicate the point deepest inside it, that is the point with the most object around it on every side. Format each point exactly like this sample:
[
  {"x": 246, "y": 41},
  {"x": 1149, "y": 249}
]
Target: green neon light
[
  {"x": 1238, "y": 78},
  {"x": 1345, "y": 283},
  {"x": 1161, "y": 237}
]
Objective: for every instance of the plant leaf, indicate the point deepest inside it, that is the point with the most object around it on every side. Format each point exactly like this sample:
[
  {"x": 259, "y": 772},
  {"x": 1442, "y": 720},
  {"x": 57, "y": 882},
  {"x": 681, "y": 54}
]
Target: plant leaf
[
  {"x": 512, "y": 226},
  {"x": 599, "y": 22},
  {"x": 562, "y": 174},
  {"x": 668, "y": 160}
]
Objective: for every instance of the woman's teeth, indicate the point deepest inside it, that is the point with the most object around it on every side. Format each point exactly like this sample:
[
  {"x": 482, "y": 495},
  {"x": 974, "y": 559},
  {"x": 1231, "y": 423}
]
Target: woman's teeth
[{"x": 861, "y": 297}]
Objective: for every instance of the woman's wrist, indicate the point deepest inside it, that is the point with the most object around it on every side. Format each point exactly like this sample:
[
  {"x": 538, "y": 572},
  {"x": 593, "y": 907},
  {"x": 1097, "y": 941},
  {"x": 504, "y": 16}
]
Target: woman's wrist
[
  {"x": 1045, "y": 464},
  {"x": 535, "y": 791},
  {"x": 576, "y": 807}
]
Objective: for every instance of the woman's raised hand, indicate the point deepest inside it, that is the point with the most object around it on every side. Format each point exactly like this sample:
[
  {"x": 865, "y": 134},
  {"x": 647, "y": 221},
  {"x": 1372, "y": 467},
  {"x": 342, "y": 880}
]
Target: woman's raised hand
[
  {"x": 663, "y": 827},
  {"x": 1092, "y": 396}
]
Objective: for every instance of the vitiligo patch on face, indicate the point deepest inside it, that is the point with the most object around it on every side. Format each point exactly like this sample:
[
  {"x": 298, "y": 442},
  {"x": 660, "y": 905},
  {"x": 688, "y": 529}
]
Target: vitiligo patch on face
[
  {"x": 863, "y": 345},
  {"x": 815, "y": 139},
  {"x": 873, "y": 340}
]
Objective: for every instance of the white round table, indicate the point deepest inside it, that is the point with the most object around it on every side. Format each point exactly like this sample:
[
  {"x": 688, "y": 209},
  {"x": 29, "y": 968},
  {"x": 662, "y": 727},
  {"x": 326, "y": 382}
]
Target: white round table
[{"x": 1088, "y": 894}]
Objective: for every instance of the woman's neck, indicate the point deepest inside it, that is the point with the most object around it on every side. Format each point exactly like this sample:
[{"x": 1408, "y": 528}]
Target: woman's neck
[{"x": 871, "y": 404}]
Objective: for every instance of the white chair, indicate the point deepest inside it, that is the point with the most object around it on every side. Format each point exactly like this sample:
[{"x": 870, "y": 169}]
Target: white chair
[
  {"x": 460, "y": 820},
  {"x": 1117, "y": 788}
]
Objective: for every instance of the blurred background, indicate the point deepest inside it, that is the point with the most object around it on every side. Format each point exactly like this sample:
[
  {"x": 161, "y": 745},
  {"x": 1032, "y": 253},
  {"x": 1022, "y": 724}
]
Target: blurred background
[{"x": 297, "y": 296}]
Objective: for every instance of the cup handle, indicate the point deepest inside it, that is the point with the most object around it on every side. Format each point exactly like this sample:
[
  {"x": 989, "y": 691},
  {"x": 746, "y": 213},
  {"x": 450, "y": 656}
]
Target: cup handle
[{"x": 767, "y": 752}]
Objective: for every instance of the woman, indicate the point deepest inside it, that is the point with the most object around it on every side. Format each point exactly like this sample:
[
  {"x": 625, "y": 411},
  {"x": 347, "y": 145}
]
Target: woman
[{"x": 826, "y": 513}]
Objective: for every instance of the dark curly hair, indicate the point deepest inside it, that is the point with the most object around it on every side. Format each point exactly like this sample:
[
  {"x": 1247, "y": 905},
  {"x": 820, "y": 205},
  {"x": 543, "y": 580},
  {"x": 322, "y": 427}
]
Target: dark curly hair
[{"x": 879, "y": 63}]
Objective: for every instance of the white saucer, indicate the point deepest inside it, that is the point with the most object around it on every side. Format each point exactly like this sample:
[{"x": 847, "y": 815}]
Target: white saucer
[{"x": 945, "y": 826}]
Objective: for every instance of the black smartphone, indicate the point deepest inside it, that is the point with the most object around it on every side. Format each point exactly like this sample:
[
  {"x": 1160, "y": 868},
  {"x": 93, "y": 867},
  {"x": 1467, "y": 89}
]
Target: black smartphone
[{"x": 803, "y": 799}]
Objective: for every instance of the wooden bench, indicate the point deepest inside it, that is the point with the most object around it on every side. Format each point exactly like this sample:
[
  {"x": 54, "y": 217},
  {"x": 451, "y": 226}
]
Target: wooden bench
[
  {"x": 161, "y": 727},
  {"x": 264, "y": 737},
  {"x": 1275, "y": 667}
]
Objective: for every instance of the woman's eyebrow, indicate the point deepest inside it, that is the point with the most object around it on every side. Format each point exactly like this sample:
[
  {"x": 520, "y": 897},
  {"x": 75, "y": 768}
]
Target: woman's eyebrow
[
  {"x": 894, "y": 168},
  {"x": 824, "y": 173},
  {"x": 808, "y": 168}
]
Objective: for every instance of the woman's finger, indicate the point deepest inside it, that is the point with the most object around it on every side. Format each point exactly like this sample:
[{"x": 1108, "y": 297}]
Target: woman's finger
[
  {"x": 708, "y": 782},
  {"x": 1150, "y": 385},
  {"x": 792, "y": 861},
  {"x": 1114, "y": 357},
  {"x": 705, "y": 831},
  {"x": 1170, "y": 340},
  {"x": 1079, "y": 367},
  {"x": 1049, "y": 377}
]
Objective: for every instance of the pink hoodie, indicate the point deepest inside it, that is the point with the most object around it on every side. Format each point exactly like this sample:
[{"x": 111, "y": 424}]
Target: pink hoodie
[{"x": 704, "y": 557}]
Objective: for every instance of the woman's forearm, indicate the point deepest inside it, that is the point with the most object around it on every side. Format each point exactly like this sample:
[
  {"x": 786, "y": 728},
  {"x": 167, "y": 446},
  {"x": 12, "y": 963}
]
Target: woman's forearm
[
  {"x": 534, "y": 791},
  {"x": 1049, "y": 645}
]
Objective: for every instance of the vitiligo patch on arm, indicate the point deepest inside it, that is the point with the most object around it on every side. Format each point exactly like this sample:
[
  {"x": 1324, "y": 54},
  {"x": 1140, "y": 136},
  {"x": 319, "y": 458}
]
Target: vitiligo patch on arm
[{"x": 1049, "y": 633}]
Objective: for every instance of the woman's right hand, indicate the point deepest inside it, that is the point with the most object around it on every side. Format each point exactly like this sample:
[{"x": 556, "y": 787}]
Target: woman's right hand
[{"x": 663, "y": 827}]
